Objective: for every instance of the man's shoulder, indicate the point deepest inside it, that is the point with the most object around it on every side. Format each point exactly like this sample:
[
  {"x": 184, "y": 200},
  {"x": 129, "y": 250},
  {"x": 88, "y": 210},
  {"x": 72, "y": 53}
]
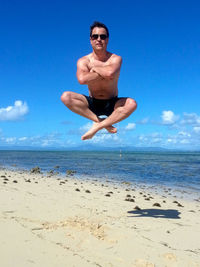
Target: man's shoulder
[
  {"x": 84, "y": 58},
  {"x": 115, "y": 58},
  {"x": 114, "y": 55}
]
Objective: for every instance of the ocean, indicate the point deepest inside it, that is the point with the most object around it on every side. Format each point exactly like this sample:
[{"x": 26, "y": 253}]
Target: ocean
[{"x": 178, "y": 170}]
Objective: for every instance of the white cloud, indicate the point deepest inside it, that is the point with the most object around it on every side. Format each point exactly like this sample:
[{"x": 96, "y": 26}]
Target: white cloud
[
  {"x": 13, "y": 113},
  {"x": 155, "y": 135},
  {"x": 52, "y": 139},
  {"x": 143, "y": 138},
  {"x": 190, "y": 119},
  {"x": 181, "y": 133},
  {"x": 86, "y": 127},
  {"x": 172, "y": 140},
  {"x": 184, "y": 141},
  {"x": 150, "y": 139},
  {"x": 10, "y": 140},
  {"x": 23, "y": 138},
  {"x": 196, "y": 129},
  {"x": 168, "y": 117},
  {"x": 143, "y": 121},
  {"x": 104, "y": 139},
  {"x": 130, "y": 126}
]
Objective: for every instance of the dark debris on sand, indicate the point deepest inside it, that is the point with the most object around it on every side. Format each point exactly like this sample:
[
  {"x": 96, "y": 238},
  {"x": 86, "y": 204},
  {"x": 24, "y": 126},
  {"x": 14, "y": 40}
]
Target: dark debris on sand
[
  {"x": 87, "y": 191},
  {"x": 70, "y": 172},
  {"x": 137, "y": 208},
  {"x": 178, "y": 204},
  {"x": 156, "y": 204},
  {"x": 35, "y": 170},
  {"x": 129, "y": 199}
]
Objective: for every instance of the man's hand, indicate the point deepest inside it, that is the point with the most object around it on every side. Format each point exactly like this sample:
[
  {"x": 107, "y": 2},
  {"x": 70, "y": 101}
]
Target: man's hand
[
  {"x": 105, "y": 72},
  {"x": 109, "y": 71},
  {"x": 92, "y": 70},
  {"x": 84, "y": 75}
]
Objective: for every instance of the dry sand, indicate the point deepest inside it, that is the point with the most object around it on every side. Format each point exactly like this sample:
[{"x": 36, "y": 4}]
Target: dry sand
[{"x": 51, "y": 221}]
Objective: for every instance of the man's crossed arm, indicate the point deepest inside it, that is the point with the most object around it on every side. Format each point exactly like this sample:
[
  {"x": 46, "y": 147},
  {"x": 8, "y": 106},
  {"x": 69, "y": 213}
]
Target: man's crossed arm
[
  {"x": 84, "y": 75},
  {"x": 109, "y": 71}
]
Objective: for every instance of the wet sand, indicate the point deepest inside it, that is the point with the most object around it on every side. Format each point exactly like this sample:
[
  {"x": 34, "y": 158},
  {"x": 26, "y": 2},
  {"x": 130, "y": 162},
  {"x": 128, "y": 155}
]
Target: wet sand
[{"x": 47, "y": 220}]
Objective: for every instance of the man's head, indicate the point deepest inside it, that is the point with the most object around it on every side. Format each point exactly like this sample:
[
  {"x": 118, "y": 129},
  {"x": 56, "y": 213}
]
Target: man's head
[
  {"x": 98, "y": 25},
  {"x": 99, "y": 36}
]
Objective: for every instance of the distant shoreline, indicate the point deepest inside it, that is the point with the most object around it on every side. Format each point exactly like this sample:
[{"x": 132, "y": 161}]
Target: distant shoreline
[{"x": 102, "y": 149}]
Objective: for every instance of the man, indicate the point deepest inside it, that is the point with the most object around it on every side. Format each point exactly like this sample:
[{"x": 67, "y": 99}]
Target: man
[{"x": 100, "y": 71}]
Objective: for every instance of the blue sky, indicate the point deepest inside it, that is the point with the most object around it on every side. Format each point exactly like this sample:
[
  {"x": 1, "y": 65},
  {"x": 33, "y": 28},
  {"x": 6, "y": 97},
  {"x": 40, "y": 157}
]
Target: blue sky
[{"x": 41, "y": 42}]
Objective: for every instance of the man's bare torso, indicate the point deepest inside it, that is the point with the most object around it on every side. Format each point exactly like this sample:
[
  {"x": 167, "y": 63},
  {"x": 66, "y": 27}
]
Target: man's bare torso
[{"x": 102, "y": 88}]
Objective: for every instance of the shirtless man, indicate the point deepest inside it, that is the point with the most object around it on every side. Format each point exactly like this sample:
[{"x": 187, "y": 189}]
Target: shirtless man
[{"x": 100, "y": 71}]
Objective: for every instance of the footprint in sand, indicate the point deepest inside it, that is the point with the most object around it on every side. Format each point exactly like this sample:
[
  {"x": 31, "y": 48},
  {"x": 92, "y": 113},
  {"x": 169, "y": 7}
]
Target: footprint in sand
[
  {"x": 142, "y": 263},
  {"x": 170, "y": 256}
]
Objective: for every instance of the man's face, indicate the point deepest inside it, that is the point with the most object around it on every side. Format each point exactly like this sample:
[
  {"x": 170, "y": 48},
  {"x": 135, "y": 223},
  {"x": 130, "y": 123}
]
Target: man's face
[{"x": 99, "y": 39}]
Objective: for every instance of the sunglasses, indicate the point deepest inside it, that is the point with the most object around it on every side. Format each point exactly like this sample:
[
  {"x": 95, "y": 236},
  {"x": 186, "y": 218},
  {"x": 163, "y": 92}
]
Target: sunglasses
[{"x": 96, "y": 36}]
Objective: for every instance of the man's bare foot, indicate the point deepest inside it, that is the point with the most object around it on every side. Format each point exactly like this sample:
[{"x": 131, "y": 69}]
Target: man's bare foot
[
  {"x": 93, "y": 130},
  {"x": 111, "y": 129}
]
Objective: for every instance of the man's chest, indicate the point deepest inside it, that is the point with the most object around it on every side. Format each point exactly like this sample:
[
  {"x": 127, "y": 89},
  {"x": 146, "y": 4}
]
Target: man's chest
[{"x": 97, "y": 63}]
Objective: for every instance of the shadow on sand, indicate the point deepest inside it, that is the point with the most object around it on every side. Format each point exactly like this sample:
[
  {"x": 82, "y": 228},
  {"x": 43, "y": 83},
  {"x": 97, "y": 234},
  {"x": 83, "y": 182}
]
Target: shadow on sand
[{"x": 156, "y": 213}]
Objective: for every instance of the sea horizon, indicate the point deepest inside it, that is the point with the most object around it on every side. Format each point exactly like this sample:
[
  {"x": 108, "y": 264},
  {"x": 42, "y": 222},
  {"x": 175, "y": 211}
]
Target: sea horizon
[{"x": 99, "y": 148}]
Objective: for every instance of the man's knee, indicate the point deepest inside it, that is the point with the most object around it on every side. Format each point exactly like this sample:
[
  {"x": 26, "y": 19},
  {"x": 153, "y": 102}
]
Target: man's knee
[
  {"x": 66, "y": 98},
  {"x": 131, "y": 104},
  {"x": 126, "y": 106}
]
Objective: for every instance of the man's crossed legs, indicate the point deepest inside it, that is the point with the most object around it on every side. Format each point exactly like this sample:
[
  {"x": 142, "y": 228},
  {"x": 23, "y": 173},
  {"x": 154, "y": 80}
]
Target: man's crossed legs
[{"x": 78, "y": 103}]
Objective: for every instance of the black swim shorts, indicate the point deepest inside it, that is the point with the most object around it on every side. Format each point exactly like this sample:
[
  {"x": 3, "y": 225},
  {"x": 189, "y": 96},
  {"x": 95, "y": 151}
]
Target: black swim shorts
[{"x": 101, "y": 106}]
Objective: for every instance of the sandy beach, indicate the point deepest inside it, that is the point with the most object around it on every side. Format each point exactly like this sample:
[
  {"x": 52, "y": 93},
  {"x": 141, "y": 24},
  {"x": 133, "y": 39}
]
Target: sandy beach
[{"x": 47, "y": 220}]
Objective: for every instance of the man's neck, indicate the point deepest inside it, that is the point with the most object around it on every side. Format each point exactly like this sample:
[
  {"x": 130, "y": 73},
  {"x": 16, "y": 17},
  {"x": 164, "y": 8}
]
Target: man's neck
[{"x": 100, "y": 55}]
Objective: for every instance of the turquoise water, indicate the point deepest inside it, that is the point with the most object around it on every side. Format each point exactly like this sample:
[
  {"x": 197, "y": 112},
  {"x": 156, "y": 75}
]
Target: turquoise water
[{"x": 179, "y": 170}]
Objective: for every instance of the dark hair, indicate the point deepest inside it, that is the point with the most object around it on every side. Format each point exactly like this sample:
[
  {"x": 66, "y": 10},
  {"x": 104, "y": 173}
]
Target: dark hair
[{"x": 99, "y": 25}]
